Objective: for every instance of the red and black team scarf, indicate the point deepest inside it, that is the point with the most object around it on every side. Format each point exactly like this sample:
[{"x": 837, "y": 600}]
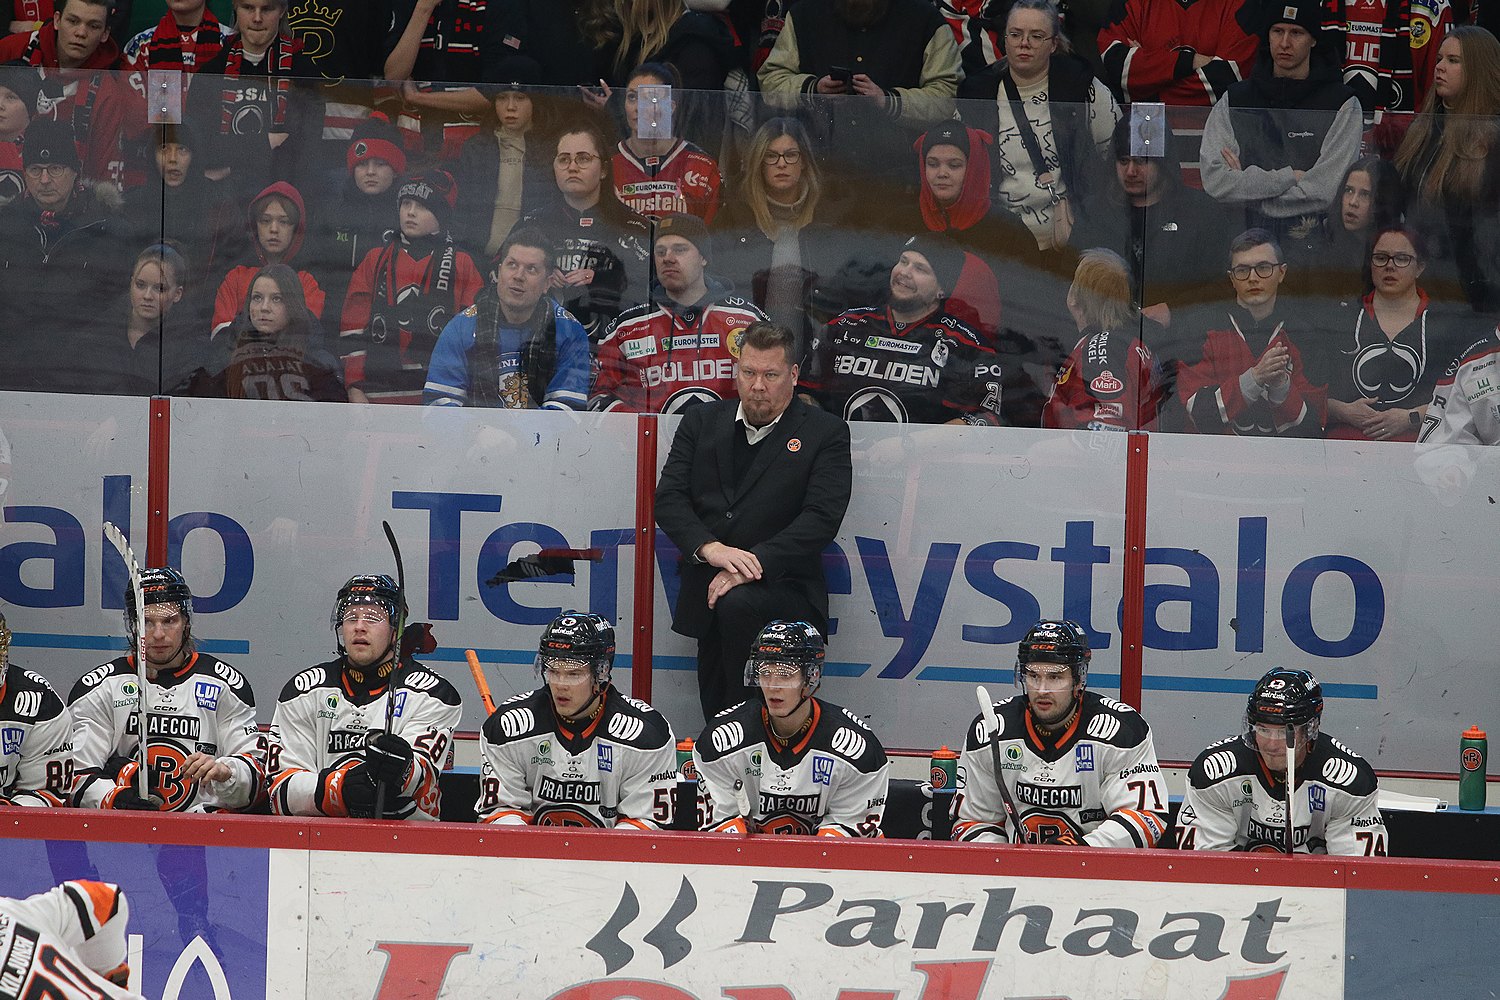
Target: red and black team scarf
[
  {"x": 421, "y": 316},
  {"x": 164, "y": 48},
  {"x": 468, "y": 27},
  {"x": 278, "y": 74}
]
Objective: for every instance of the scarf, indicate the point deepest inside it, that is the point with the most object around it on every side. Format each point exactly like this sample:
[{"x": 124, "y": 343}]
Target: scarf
[
  {"x": 538, "y": 350},
  {"x": 278, "y": 68},
  {"x": 411, "y": 315},
  {"x": 164, "y": 50}
]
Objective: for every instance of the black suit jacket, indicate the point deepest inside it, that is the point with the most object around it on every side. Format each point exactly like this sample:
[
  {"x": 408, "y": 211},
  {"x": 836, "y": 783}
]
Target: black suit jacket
[{"x": 786, "y": 509}]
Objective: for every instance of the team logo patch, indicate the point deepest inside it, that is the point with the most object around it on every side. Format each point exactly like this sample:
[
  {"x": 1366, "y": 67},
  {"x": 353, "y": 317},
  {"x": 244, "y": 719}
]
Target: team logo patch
[
  {"x": 642, "y": 348},
  {"x": 1317, "y": 798},
  {"x": 1065, "y": 374},
  {"x": 1289, "y": 12},
  {"x": 940, "y": 353},
  {"x": 1083, "y": 757},
  {"x": 10, "y": 740},
  {"x": 822, "y": 770},
  {"x": 735, "y": 337},
  {"x": 400, "y": 704},
  {"x": 207, "y": 695},
  {"x": 1421, "y": 31},
  {"x": 1105, "y": 384},
  {"x": 1013, "y": 752},
  {"x": 794, "y": 445}
]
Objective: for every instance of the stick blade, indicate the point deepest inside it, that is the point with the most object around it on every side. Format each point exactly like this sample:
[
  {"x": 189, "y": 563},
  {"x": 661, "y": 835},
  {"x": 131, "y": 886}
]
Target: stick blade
[{"x": 987, "y": 710}]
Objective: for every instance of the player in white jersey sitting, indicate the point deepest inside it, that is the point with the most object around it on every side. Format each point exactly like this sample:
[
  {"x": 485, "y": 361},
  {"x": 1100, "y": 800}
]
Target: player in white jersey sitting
[
  {"x": 577, "y": 752},
  {"x": 1236, "y": 797},
  {"x": 1078, "y": 768},
  {"x": 36, "y": 736},
  {"x": 329, "y": 749},
  {"x": 203, "y": 746},
  {"x": 67, "y": 943},
  {"x": 787, "y": 762}
]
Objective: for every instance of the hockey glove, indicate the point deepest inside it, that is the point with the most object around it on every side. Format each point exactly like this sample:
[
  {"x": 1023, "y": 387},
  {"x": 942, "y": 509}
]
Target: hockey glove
[
  {"x": 1060, "y": 837},
  {"x": 126, "y": 797},
  {"x": 348, "y": 790},
  {"x": 389, "y": 759}
]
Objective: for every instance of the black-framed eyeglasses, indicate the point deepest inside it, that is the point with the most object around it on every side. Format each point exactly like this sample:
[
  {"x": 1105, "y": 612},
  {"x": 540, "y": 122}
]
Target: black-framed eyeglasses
[
  {"x": 1381, "y": 259},
  {"x": 791, "y": 158},
  {"x": 1264, "y": 269}
]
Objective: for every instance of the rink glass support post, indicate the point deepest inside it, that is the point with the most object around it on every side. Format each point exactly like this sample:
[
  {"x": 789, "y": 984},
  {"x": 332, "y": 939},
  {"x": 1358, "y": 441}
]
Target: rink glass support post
[
  {"x": 158, "y": 478},
  {"x": 1137, "y": 466},
  {"x": 643, "y": 613}
]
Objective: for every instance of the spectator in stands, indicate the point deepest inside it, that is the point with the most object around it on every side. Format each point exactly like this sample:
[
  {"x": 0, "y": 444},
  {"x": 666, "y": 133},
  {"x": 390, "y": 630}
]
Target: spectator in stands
[
  {"x": 1279, "y": 142},
  {"x": 276, "y": 224},
  {"x": 158, "y": 348},
  {"x": 355, "y": 224},
  {"x": 274, "y": 349},
  {"x": 1391, "y": 348},
  {"x": 768, "y": 237},
  {"x": 1179, "y": 53},
  {"x": 503, "y": 171},
  {"x": 1450, "y": 161},
  {"x": 181, "y": 205},
  {"x": 262, "y": 121},
  {"x": 897, "y": 57},
  {"x": 909, "y": 361},
  {"x": 974, "y": 25},
  {"x": 697, "y": 44},
  {"x": 1052, "y": 155},
  {"x": 567, "y": 39},
  {"x": 59, "y": 259},
  {"x": 345, "y": 40},
  {"x": 434, "y": 48},
  {"x": 1110, "y": 382},
  {"x": 678, "y": 349},
  {"x": 658, "y": 177},
  {"x": 18, "y": 90},
  {"x": 76, "y": 37},
  {"x": 602, "y": 246},
  {"x": 1335, "y": 257},
  {"x": 1251, "y": 379},
  {"x": 515, "y": 347},
  {"x": 187, "y": 37},
  {"x": 1391, "y": 50},
  {"x": 403, "y": 295}
]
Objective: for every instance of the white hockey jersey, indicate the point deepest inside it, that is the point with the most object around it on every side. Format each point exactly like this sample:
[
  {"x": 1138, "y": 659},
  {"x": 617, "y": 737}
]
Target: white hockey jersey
[
  {"x": 54, "y": 945},
  {"x": 832, "y": 782},
  {"x": 321, "y": 723},
  {"x": 1098, "y": 779},
  {"x": 36, "y": 741},
  {"x": 205, "y": 706},
  {"x": 1234, "y": 803},
  {"x": 619, "y": 770}
]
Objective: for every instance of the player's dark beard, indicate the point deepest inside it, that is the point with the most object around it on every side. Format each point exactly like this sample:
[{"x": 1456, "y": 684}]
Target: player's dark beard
[{"x": 860, "y": 13}]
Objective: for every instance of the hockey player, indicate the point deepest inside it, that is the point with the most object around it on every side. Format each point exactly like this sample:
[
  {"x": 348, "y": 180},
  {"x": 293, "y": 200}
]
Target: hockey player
[
  {"x": 203, "y": 747},
  {"x": 36, "y": 737},
  {"x": 329, "y": 750},
  {"x": 1236, "y": 796},
  {"x": 1080, "y": 768},
  {"x": 67, "y": 943},
  {"x": 788, "y": 762},
  {"x": 681, "y": 348},
  {"x": 577, "y": 752}
]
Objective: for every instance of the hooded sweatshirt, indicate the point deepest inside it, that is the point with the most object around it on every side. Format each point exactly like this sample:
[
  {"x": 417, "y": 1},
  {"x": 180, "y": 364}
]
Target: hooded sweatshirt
[{"x": 236, "y": 284}]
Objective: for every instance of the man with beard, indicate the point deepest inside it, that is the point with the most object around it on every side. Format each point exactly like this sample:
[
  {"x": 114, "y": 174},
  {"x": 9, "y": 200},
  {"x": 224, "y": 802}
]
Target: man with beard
[{"x": 679, "y": 349}]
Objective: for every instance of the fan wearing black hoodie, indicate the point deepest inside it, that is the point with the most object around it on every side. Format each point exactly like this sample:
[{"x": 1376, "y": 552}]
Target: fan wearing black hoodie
[{"x": 1280, "y": 142}]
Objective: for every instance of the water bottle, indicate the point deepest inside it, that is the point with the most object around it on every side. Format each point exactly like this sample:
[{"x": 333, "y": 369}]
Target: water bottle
[
  {"x": 1473, "y": 750},
  {"x": 944, "y": 779}
]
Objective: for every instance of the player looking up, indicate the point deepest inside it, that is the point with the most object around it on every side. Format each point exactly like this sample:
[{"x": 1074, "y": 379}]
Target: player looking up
[
  {"x": 788, "y": 762},
  {"x": 329, "y": 748},
  {"x": 1080, "y": 768},
  {"x": 577, "y": 752},
  {"x": 201, "y": 737},
  {"x": 1236, "y": 797}
]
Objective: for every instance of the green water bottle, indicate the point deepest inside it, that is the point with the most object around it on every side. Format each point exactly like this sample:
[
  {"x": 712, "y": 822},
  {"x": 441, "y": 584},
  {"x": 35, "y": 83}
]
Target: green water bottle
[{"x": 1473, "y": 750}]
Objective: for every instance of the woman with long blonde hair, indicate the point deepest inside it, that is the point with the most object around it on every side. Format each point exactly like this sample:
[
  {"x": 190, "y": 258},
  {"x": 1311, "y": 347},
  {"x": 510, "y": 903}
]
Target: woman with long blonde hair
[{"x": 1450, "y": 163}]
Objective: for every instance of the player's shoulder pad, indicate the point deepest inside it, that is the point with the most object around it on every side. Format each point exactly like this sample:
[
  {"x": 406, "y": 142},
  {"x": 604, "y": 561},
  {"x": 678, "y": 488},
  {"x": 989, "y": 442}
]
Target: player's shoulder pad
[
  {"x": 29, "y": 697},
  {"x": 518, "y": 717},
  {"x": 238, "y": 683},
  {"x": 97, "y": 676},
  {"x": 324, "y": 675},
  {"x": 1105, "y": 720},
  {"x": 419, "y": 678},
  {"x": 1221, "y": 761},
  {"x": 633, "y": 723},
  {"x": 1339, "y": 767},
  {"x": 732, "y": 729},
  {"x": 846, "y": 735},
  {"x": 1010, "y": 713}
]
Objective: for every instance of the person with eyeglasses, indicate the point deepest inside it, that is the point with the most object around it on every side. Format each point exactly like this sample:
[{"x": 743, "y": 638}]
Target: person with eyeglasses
[
  {"x": 1079, "y": 769},
  {"x": 1392, "y": 347},
  {"x": 1250, "y": 378},
  {"x": 1277, "y": 144},
  {"x": 603, "y": 248},
  {"x": 576, "y": 752},
  {"x": 61, "y": 255},
  {"x": 785, "y": 761},
  {"x": 328, "y": 750}
]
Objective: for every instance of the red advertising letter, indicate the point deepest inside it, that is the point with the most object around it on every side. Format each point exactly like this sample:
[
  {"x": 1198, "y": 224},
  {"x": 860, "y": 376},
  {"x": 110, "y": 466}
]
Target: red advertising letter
[
  {"x": 1266, "y": 987},
  {"x": 623, "y": 989},
  {"x": 956, "y": 980},
  {"x": 415, "y": 971}
]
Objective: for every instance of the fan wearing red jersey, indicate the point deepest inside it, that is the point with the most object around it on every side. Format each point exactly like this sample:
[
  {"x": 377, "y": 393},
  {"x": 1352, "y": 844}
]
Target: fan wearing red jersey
[{"x": 661, "y": 176}]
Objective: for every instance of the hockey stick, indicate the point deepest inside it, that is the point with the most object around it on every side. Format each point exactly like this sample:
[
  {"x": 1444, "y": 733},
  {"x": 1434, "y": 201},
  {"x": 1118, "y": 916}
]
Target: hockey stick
[
  {"x": 480, "y": 682},
  {"x": 118, "y": 540},
  {"x": 1291, "y": 788},
  {"x": 400, "y": 624},
  {"x": 992, "y": 730}
]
